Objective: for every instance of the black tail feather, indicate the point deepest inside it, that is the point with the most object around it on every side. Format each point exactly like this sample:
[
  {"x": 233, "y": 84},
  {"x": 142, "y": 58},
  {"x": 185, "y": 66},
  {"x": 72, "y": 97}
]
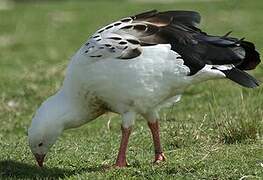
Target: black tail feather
[
  {"x": 252, "y": 57},
  {"x": 241, "y": 77}
]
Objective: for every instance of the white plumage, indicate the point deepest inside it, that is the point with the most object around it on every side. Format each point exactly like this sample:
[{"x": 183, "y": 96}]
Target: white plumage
[{"x": 129, "y": 67}]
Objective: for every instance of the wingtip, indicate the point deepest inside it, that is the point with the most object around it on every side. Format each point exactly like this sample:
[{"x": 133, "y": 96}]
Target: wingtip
[{"x": 241, "y": 77}]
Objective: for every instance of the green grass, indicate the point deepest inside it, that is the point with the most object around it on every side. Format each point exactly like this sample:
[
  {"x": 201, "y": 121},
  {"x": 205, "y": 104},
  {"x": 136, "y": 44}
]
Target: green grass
[{"x": 215, "y": 132}]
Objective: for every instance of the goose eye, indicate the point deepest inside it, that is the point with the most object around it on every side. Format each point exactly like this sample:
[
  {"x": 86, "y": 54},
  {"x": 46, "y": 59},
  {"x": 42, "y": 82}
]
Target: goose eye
[{"x": 40, "y": 144}]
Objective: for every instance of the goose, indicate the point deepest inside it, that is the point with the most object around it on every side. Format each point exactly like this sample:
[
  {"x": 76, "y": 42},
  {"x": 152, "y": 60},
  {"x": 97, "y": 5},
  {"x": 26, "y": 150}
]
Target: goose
[{"x": 138, "y": 65}]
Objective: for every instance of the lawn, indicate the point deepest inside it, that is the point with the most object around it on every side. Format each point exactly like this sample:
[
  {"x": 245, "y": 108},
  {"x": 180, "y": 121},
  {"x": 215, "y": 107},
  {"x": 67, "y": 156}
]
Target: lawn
[{"x": 214, "y": 132}]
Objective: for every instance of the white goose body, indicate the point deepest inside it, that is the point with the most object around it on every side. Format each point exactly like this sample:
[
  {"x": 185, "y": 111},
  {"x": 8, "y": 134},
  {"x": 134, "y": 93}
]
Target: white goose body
[
  {"x": 140, "y": 84},
  {"x": 136, "y": 66}
]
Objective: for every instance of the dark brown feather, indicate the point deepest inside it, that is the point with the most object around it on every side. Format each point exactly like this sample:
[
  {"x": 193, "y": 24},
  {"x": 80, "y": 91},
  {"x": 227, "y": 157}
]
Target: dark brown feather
[
  {"x": 197, "y": 48},
  {"x": 132, "y": 53}
]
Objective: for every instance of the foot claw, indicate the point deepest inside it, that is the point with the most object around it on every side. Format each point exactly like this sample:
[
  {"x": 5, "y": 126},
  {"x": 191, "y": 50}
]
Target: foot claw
[{"x": 159, "y": 158}]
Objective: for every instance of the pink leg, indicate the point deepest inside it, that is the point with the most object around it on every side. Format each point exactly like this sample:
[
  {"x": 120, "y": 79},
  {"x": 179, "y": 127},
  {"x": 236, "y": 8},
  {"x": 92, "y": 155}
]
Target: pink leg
[
  {"x": 121, "y": 159},
  {"x": 155, "y": 130}
]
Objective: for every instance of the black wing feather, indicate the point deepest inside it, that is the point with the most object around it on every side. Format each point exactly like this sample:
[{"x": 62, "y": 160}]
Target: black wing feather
[
  {"x": 241, "y": 77},
  {"x": 190, "y": 18},
  {"x": 197, "y": 48}
]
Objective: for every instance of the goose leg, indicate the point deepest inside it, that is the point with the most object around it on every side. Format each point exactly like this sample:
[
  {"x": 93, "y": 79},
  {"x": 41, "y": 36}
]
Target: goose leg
[
  {"x": 155, "y": 130},
  {"x": 121, "y": 158},
  {"x": 126, "y": 128}
]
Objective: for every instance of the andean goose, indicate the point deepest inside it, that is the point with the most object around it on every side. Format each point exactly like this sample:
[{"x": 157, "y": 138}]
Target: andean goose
[{"x": 135, "y": 66}]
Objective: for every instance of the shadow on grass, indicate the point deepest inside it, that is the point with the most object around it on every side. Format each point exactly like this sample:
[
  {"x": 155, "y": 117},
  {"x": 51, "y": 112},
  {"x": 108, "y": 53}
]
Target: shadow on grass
[{"x": 14, "y": 169}]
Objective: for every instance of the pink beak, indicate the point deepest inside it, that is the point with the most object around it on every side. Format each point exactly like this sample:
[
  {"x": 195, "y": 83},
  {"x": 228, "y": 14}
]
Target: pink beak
[{"x": 40, "y": 159}]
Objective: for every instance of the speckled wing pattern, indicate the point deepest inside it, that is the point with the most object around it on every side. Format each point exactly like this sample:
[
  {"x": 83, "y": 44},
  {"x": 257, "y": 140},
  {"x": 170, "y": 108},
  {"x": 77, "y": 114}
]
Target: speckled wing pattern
[{"x": 123, "y": 39}]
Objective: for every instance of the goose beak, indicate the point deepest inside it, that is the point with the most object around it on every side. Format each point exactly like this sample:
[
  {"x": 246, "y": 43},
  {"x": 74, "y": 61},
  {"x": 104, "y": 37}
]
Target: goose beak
[{"x": 40, "y": 159}]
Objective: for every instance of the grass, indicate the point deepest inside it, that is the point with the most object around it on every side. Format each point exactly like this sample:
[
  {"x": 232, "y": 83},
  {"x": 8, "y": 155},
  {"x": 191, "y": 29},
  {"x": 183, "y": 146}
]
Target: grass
[{"x": 215, "y": 132}]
